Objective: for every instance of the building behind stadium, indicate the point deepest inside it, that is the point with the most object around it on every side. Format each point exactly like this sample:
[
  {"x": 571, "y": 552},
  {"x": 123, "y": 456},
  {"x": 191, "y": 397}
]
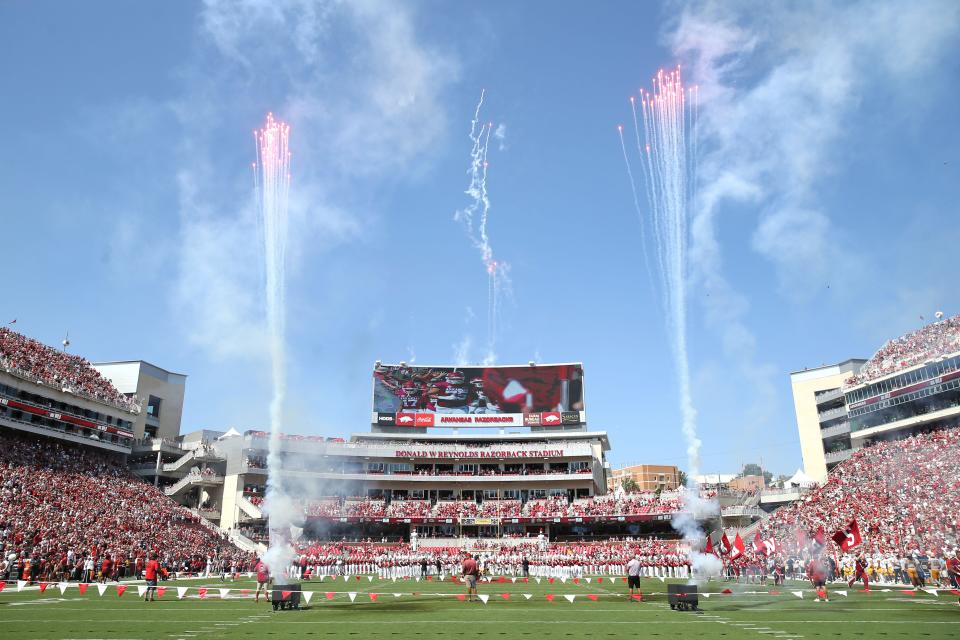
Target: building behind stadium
[{"x": 910, "y": 385}]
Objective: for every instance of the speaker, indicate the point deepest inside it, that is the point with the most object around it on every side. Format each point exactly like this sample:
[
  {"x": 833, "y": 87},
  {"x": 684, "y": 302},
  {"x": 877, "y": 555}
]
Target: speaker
[
  {"x": 292, "y": 599},
  {"x": 683, "y": 597}
]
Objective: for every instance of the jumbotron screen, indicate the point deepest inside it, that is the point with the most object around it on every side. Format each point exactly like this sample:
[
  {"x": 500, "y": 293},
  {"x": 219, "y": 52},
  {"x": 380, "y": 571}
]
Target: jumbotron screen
[{"x": 532, "y": 396}]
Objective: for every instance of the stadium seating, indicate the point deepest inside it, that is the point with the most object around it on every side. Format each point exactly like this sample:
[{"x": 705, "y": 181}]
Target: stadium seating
[
  {"x": 936, "y": 339},
  {"x": 37, "y": 361},
  {"x": 60, "y": 502}
]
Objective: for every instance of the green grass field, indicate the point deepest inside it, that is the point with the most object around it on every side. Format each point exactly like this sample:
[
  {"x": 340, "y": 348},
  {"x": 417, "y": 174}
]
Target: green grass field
[{"x": 429, "y": 609}]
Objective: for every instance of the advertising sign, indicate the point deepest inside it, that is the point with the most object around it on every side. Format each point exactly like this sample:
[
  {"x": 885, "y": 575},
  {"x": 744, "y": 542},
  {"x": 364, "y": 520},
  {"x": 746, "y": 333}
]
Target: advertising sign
[{"x": 509, "y": 396}]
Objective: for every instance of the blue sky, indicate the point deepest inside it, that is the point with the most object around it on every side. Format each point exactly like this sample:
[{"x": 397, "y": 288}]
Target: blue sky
[{"x": 827, "y": 220}]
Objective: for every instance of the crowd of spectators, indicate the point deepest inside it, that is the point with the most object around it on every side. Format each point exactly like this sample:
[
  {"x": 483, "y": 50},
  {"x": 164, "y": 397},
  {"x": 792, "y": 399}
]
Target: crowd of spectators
[
  {"x": 35, "y": 360},
  {"x": 363, "y": 508},
  {"x": 62, "y": 505},
  {"x": 548, "y": 508},
  {"x": 904, "y": 495},
  {"x": 500, "y": 508},
  {"x": 456, "y": 509},
  {"x": 933, "y": 340},
  {"x": 409, "y": 509}
]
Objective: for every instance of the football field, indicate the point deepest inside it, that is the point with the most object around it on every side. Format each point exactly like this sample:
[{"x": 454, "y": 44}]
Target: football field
[{"x": 389, "y": 610}]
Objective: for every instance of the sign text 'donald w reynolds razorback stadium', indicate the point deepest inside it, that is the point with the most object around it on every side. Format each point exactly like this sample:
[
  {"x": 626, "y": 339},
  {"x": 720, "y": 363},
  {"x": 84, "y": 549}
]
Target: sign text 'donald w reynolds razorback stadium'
[
  {"x": 533, "y": 396},
  {"x": 480, "y": 453}
]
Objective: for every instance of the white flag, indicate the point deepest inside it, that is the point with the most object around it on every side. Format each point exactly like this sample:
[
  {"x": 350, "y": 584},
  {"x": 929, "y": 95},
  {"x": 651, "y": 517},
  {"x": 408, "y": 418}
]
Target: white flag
[
  {"x": 181, "y": 592},
  {"x": 538, "y": 580},
  {"x": 322, "y": 576},
  {"x": 799, "y": 594},
  {"x": 63, "y": 587},
  {"x": 563, "y": 580},
  {"x": 570, "y": 598},
  {"x": 661, "y": 578},
  {"x": 527, "y": 596},
  {"x": 345, "y": 578},
  {"x": 513, "y": 580},
  {"x": 307, "y": 595},
  {"x": 102, "y": 588},
  {"x": 841, "y": 593},
  {"x": 353, "y": 595},
  {"x": 21, "y": 584},
  {"x": 141, "y": 590},
  {"x": 249, "y": 574},
  {"x": 394, "y": 578},
  {"x": 705, "y": 595},
  {"x": 417, "y": 578},
  {"x": 397, "y": 595},
  {"x": 224, "y": 593},
  {"x": 483, "y": 598},
  {"x": 369, "y": 578},
  {"x": 931, "y": 591},
  {"x": 588, "y": 580}
]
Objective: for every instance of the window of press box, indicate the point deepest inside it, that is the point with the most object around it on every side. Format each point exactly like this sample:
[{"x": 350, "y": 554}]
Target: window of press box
[{"x": 153, "y": 406}]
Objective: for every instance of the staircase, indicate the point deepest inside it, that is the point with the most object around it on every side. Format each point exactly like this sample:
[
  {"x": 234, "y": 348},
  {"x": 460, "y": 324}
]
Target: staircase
[
  {"x": 198, "y": 455},
  {"x": 249, "y": 508},
  {"x": 191, "y": 480}
]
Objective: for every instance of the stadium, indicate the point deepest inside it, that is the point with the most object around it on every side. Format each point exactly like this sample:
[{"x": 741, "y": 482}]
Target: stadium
[{"x": 101, "y": 497}]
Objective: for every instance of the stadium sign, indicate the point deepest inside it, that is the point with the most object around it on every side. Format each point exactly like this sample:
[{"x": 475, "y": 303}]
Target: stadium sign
[
  {"x": 480, "y": 453},
  {"x": 453, "y": 420}
]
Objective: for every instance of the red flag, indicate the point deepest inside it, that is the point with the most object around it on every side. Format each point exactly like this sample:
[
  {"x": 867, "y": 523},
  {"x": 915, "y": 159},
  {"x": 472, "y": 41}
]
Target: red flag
[
  {"x": 820, "y": 537},
  {"x": 461, "y": 597},
  {"x": 725, "y": 545},
  {"x": 285, "y": 594},
  {"x": 163, "y": 590},
  {"x": 848, "y": 538},
  {"x": 329, "y": 595},
  {"x": 738, "y": 547},
  {"x": 758, "y": 544},
  {"x": 374, "y": 596},
  {"x": 592, "y": 597},
  {"x": 43, "y": 586},
  {"x": 83, "y": 587},
  {"x": 505, "y": 596},
  {"x": 770, "y": 546},
  {"x": 550, "y": 580},
  {"x": 120, "y": 589},
  {"x": 3, "y": 585},
  {"x": 549, "y": 597},
  {"x": 707, "y": 549},
  {"x": 599, "y": 580},
  {"x": 203, "y": 592}
]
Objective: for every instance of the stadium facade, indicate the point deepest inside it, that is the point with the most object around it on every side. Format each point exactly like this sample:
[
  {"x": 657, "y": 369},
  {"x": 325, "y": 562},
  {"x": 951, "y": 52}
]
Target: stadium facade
[{"x": 911, "y": 385}]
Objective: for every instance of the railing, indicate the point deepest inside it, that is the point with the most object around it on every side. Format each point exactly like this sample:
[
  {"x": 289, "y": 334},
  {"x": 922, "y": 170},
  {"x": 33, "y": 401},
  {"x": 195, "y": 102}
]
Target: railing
[
  {"x": 835, "y": 430},
  {"x": 193, "y": 478},
  {"x": 742, "y": 511},
  {"x": 838, "y": 456},
  {"x": 827, "y": 396},
  {"x": 249, "y": 508},
  {"x": 830, "y": 414},
  {"x": 133, "y": 407}
]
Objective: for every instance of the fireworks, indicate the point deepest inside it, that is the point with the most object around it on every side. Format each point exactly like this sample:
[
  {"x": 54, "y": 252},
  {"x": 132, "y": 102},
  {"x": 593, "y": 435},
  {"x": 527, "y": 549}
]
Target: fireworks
[
  {"x": 477, "y": 212},
  {"x": 272, "y": 186}
]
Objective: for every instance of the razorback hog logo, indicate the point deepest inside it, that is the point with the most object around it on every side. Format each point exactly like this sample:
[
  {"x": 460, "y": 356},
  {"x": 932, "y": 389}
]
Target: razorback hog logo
[
  {"x": 404, "y": 418},
  {"x": 550, "y": 418}
]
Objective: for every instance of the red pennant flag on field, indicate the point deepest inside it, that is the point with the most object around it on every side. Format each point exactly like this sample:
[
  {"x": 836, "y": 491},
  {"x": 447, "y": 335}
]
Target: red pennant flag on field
[
  {"x": 120, "y": 589},
  {"x": 738, "y": 547},
  {"x": 285, "y": 594},
  {"x": 725, "y": 545},
  {"x": 203, "y": 592},
  {"x": 3, "y": 585},
  {"x": 591, "y": 596},
  {"x": 727, "y": 591},
  {"x": 43, "y": 586},
  {"x": 461, "y": 597},
  {"x": 709, "y": 547},
  {"x": 163, "y": 590},
  {"x": 374, "y": 596},
  {"x": 549, "y": 597},
  {"x": 505, "y": 596},
  {"x": 329, "y": 595},
  {"x": 244, "y": 592},
  {"x": 429, "y": 577},
  {"x": 849, "y": 537},
  {"x": 83, "y": 587},
  {"x": 576, "y": 581},
  {"x": 637, "y": 596},
  {"x": 358, "y": 578},
  {"x": 599, "y": 580}
]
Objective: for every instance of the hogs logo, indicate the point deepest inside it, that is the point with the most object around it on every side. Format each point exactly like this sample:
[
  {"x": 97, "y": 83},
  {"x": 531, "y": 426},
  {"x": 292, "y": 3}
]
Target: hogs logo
[
  {"x": 550, "y": 418},
  {"x": 405, "y": 419}
]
